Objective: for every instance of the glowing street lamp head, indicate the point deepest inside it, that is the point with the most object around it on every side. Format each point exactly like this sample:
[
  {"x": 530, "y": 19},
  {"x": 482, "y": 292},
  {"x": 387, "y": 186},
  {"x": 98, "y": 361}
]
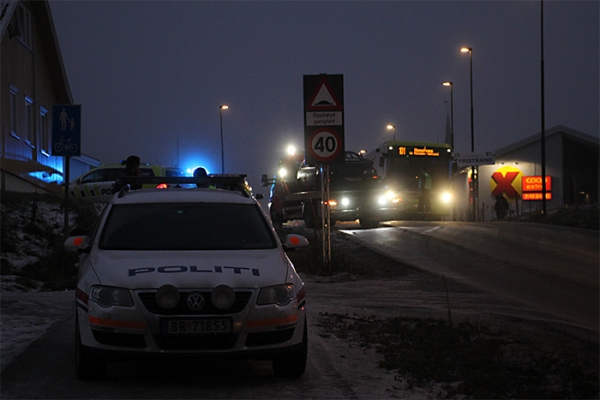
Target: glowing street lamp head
[
  {"x": 447, "y": 84},
  {"x": 224, "y": 107},
  {"x": 390, "y": 127},
  {"x": 466, "y": 50}
]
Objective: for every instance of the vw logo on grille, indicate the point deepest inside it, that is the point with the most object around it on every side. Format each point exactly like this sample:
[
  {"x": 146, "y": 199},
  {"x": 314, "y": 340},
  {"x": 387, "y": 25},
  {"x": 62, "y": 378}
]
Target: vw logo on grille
[{"x": 195, "y": 301}]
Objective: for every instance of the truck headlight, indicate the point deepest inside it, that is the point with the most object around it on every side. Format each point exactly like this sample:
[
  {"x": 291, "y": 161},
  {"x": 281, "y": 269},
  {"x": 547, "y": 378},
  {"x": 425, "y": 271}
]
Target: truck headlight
[
  {"x": 446, "y": 197},
  {"x": 389, "y": 197}
]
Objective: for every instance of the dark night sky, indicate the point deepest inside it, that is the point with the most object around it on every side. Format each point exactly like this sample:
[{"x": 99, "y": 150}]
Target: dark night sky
[{"x": 150, "y": 75}]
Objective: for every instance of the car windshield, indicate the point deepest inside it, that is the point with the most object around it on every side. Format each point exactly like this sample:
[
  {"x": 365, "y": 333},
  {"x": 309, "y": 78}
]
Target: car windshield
[{"x": 186, "y": 226}]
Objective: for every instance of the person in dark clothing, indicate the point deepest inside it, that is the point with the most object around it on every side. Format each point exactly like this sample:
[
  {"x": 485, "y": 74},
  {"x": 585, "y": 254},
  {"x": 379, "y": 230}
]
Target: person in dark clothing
[
  {"x": 203, "y": 179},
  {"x": 501, "y": 207},
  {"x": 132, "y": 168},
  {"x": 425, "y": 186}
]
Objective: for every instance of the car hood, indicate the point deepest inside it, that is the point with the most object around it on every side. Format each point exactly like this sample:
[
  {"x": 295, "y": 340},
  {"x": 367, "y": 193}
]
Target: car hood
[{"x": 191, "y": 269}]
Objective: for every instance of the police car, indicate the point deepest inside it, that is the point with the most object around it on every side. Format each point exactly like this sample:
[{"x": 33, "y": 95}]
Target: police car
[
  {"x": 187, "y": 272},
  {"x": 98, "y": 183}
]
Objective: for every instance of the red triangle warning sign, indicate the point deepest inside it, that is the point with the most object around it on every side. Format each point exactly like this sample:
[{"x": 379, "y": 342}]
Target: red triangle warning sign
[{"x": 324, "y": 98}]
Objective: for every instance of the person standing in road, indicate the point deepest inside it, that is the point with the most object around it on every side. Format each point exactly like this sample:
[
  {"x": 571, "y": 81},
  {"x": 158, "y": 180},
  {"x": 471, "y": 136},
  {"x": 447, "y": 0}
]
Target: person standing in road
[
  {"x": 501, "y": 207},
  {"x": 425, "y": 186}
]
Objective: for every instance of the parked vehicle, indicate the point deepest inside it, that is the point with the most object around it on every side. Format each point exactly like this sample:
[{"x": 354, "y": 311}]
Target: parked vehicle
[
  {"x": 98, "y": 184},
  {"x": 193, "y": 272}
]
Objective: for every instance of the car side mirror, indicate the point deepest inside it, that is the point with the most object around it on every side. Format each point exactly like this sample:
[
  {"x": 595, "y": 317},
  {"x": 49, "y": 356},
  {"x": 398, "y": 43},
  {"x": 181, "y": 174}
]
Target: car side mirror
[
  {"x": 294, "y": 242},
  {"x": 77, "y": 243}
]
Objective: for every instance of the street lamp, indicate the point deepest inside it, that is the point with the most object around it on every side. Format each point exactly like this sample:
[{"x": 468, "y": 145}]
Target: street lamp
[
  {"x": 448, "y": 83},
  {"x": 473, "y": 174},
  {"x": 221, "y": 108},
  {"x": 393, "y": 129}
]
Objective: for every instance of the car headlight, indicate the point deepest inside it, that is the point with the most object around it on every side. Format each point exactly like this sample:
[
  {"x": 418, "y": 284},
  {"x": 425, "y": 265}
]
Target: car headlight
[
  {"x": 345, "y": 201},
  {"x": 280, "y": 294},
  {"x": 446, "y": 197},
  {"x": 108, "y": 296}
]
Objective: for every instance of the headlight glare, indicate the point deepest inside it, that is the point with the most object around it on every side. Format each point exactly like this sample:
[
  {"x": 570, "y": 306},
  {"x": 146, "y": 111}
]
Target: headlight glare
[
  {"x": 280, "y": 294},
  {"x": 446, "y": 197},
  {"x": 108, "y": 296}
]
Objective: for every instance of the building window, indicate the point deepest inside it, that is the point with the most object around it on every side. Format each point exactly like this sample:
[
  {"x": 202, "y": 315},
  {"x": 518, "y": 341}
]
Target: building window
[
  {"x": 44, "y": 143},
  {"x": 24, "y": 31},
  {"x": 29, "y": 122},
  {"x": 13, "y": 111}
]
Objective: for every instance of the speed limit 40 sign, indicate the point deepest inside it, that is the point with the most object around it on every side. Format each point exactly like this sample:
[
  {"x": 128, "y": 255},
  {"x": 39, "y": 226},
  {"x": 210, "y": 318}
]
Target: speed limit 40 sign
[
  {"x": 325, "y": 146},
  {"x": 324, "y": 119}
]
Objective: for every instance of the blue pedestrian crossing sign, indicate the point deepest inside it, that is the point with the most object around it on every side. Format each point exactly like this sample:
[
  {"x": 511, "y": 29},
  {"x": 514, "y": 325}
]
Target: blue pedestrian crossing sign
[{"x": 66, "y": 130}]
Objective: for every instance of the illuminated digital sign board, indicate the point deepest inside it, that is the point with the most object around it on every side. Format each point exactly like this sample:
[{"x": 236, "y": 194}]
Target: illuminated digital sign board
[
  {"x": 536, "y": 196},
  {"x": 531, "y": 186},
  {"x": 417, "y": 151}
]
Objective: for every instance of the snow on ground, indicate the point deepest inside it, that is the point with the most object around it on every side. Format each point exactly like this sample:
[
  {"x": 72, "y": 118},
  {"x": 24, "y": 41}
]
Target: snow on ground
[{"x": 25, "y": 316}]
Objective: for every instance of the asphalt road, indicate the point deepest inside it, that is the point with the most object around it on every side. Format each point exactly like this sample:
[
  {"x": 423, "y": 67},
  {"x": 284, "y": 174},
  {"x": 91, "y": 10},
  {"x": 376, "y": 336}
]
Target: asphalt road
[{"x": 554, "y": 270}]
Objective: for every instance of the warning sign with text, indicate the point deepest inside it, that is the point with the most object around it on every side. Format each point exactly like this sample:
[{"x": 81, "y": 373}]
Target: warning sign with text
[{"x": 324, "y": 119}]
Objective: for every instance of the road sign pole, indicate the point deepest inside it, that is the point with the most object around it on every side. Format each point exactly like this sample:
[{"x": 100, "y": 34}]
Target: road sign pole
[{"x": 67, "y": 164}]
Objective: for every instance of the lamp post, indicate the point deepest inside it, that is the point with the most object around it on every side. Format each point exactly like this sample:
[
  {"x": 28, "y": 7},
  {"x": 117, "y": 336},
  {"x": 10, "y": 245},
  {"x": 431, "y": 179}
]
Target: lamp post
[
  {"x": 221, "y": 108},
  {"x": 448, "y": 83},
  {"x": 475, "y": 196},
  {"x": 393, "y": 129},
  {"x": 543, "y": 106},
  {"x": 453, "y": 169}
]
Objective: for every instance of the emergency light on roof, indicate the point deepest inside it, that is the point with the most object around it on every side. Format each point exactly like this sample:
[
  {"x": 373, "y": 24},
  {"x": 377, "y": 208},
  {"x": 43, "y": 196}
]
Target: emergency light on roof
[{"x": 220, "y": 181}]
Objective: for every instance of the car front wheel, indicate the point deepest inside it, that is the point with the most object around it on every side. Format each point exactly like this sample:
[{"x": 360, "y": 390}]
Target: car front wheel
[
  {"x": 293, "y": 365},
  {"x": 87, "y": 366}
]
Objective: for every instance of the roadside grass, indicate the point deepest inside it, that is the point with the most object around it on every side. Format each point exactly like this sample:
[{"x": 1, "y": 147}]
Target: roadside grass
[
  {"x": 473, "y": 361},
  {"x": 586, "y": 217},
  {"x": 346, "y": 260}
]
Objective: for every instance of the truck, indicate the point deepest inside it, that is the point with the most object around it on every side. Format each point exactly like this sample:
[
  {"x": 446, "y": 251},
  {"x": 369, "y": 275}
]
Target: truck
[{"x": 355, "y": 192}]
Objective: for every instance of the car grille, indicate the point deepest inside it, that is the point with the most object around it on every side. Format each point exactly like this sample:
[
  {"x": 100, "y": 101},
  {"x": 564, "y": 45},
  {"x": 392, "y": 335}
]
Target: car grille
[
  {"x": 196, "y": 342},
  {"x": 119, "y": 339},
  {"x": 269, "y": 338},
  {"x": 149, "y": 301}
]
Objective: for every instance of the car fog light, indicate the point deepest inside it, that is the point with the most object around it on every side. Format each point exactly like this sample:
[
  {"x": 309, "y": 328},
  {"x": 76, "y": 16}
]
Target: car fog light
[
  {"x": 223, "y": 297},
  {"x": 167, "y": 297}
]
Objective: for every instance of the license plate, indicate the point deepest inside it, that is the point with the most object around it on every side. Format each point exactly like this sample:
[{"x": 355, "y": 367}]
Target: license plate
[{"x": 195, "y": 326}]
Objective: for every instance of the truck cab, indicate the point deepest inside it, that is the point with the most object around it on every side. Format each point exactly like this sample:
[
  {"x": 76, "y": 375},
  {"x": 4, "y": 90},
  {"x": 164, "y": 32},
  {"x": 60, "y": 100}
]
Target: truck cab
[{"x": 355, "y": 192}]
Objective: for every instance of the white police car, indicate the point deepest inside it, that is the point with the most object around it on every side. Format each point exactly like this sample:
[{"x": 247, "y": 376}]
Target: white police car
[{"x": 192, "y": 272}]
